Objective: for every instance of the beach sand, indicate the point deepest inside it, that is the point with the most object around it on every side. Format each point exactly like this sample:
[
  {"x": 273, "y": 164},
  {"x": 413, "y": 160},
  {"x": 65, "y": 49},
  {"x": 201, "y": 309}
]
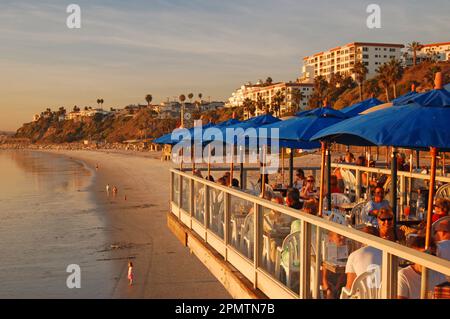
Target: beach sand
[
  {"x": 137, "y": 226},
  {"x": 137, "y": 229}
]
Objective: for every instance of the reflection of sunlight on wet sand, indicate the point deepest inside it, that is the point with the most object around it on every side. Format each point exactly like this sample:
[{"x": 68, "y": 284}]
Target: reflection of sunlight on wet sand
[{"x": 49, "y": 172}]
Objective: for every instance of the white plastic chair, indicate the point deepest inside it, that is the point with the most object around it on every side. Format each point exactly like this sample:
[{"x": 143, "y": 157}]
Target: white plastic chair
[
  {"x": 365, "y": 286},
  {"x": 289, "y": 256},
  {"x": 357, "y": 211},
  {"x": 247, "y": 236},
  {"x": 434, "y": 225},
  {"x": 349, "y": 180},
  {"x": 336, "y": 200},
  {"x": 443, "y": 191}
]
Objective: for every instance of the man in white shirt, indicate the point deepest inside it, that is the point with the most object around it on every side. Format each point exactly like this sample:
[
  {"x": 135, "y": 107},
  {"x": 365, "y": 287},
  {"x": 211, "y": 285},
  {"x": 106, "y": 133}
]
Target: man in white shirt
[
  {"x": 363, "y": 259},
  {"x": 409, "y": 278}
]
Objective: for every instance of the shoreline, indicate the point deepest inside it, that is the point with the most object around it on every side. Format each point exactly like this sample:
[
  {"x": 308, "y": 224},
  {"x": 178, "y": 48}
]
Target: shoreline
[{"x": 136, "y": 229}]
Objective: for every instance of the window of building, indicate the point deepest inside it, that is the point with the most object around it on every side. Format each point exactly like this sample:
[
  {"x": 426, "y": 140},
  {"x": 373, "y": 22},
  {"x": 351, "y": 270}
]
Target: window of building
[
  {"x": 385, "y": 49},
  {"x": 385, "y": 56},
  {"x": 365, "y": 56},
  {"x": 392, "y": 49},
  {"x": 366, "y": 63},
  {"x": 365, "y": 49}
]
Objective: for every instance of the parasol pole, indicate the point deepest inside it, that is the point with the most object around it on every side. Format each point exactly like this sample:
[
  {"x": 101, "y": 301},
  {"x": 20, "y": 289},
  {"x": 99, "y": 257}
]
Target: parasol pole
[
  {"x": 181, "y": 161},
  {"x": 242, "y": 168},
  {"x": 232, "y": 157},
  {"x": 424, "y": 277},
  {"x": 387, "y": 156},
  {"x": 394, "y": 188},
  {"x": 417, "y": 159},
  {"x": 193, "y": 159},
  {"x": 291, "y": 168},
  {"x": 322, "y": 177},
  {"x": 410, "y": 177},
  {"x": 328, "y": 154},
  {"x": 231, "y": 166},
  {"x": 263, "y": 179},
  {"x": 282, "y": 166},
  {"x": 433, "y": 153},
  {"x": 209, "y": 160}
]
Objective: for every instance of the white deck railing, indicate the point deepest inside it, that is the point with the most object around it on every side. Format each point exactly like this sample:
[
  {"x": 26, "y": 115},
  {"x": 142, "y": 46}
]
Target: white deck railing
[{"x": 194, "y": 201}]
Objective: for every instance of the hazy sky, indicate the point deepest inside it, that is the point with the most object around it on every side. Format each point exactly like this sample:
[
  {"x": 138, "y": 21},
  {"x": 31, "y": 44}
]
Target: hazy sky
[{"x": 126, "y": 49}]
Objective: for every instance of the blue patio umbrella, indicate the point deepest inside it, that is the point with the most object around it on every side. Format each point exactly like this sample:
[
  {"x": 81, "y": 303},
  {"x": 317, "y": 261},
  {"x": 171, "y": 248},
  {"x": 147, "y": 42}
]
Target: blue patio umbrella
[
  {"x": 421, "y": 124},
  {"x": 164, "y": 139},
  {"x": 297, "y": 131},
  {"x": 355, "y": 109},
  {"x": 405, "y": 99},
  {"x": 417, "y": 125},
  {"x": 254, "y": 123}
]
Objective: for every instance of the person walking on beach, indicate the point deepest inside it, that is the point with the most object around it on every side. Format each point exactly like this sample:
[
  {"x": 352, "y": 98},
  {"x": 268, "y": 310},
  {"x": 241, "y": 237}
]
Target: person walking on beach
[
  {"x": 107, "y": 189},
  {"x": 130, "y": 273},
  {"x": 114, "y": 191}
]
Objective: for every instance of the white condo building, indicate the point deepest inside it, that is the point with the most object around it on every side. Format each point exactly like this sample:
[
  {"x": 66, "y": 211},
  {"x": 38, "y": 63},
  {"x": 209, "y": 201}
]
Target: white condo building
[
  {"x": 267, "y": 92},
  {"x": 442, "y": 50},
  {"x": 342, "y": 59}
]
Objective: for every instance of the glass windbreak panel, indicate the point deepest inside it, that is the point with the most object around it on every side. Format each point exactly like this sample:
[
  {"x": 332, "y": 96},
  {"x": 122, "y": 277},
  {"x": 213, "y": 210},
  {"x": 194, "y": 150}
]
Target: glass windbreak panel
[
  {"x": 348, "y": 269},
  {"x": 199, "y": 202},
  {"x": 176, "y": 189},
  {"x": 241, "y": 226},
  {"x": 281, "y": 247},
  {"x": 216, "y": 212},
  {"x": 185, "y": 194},
  {"x": 410, "y": 274}
]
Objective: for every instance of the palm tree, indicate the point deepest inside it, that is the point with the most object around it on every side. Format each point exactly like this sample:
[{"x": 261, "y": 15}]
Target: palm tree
[
  {"x": 384, "y": 78},
  {"x": 269, "y": 81},
  {"x": 372, "y": 88},
  {"x": 414, "y": 47},
  {"x": 297, "y": 98},
  {"x": 277, "y": 101},
  {"x": 320, "y": 89},
  {"x": 395, "y": 73},
  {"x": 260, "y": 103},
  {"x": 101, "y": 102},
  {"x": 98, "y": 102},
  {"x": 182, "y": 98},
  {"x": 200, "y": 97},
  {"x": 190, "y": 96},
  {"x": 247, "y": 105},
  {"x": 149, "y": 99},
  {"x": 360, "y": 71}
]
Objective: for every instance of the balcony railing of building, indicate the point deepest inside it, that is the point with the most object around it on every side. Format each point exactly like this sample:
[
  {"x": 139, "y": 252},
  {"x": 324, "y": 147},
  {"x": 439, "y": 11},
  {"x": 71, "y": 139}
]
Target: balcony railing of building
[{"x": 285, "y": 252}]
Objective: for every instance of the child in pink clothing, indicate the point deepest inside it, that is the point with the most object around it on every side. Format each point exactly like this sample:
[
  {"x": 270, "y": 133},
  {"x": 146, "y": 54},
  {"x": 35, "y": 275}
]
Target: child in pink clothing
[{"x": 130, "y": 273}]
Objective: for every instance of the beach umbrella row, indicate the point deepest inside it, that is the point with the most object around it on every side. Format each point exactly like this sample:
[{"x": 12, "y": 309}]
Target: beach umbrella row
[{"x": 421, "y": 123}]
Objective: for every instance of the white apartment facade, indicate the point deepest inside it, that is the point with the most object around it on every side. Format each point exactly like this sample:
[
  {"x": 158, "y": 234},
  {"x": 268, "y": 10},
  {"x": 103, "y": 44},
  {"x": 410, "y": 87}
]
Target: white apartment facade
[
  {"x": 268, "y": 92},
  {"x": 433, "y": 51},
  {"x": 342, "y": 59},
  {"x": 440, "y": 51},
  {"x": 437, "y": 48}
]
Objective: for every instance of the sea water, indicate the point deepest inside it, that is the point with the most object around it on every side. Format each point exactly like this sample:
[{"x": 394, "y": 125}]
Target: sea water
[{"x": 48, "y": 221}]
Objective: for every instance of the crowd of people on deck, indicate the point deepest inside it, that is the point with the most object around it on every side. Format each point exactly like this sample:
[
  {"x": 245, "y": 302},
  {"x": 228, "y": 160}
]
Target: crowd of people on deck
[{"x": 304, "y": 196}]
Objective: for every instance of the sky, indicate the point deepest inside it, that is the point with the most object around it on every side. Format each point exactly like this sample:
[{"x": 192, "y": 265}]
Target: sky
[{"x": 127, "y": 49}]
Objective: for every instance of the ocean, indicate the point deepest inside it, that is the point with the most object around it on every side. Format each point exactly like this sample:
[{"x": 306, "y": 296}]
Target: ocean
[{"x": 49, "y": 220}]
